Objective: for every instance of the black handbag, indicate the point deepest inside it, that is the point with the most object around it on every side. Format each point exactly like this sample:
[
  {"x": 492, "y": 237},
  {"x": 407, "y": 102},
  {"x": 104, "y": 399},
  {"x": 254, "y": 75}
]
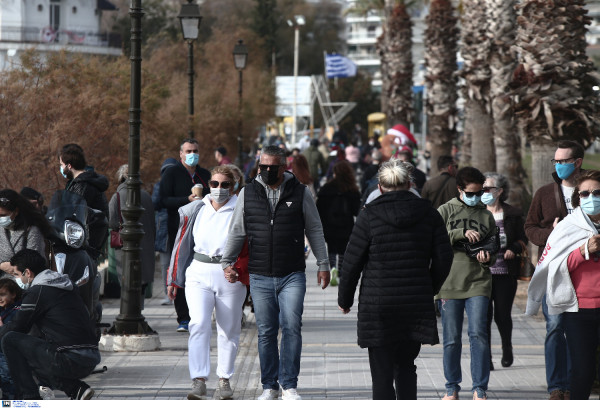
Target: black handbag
[{"x": 490, "y": 244}]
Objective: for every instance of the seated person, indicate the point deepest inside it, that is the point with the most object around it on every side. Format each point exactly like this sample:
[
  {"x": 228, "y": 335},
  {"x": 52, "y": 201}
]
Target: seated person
[
  {"x": 10, "y": 302},
  {"x": 69, "y": 349}
]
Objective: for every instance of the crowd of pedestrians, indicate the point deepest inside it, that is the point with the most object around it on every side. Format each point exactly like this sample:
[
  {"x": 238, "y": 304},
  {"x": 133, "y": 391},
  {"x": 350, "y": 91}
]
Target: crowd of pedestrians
[{"x": 227, "y": 236}]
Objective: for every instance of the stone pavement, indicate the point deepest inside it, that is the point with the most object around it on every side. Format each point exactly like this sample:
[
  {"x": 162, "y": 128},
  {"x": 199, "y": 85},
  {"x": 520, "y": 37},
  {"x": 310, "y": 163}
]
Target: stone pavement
[{"x": 333, "y": 366}]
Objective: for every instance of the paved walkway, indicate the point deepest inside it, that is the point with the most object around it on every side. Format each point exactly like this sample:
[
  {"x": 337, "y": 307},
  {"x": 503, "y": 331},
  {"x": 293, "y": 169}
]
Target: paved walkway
[{"x": 333, "y": 366}]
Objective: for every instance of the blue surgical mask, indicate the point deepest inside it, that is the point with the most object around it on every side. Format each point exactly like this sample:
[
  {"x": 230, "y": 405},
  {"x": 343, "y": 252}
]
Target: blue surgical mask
[
  {"x": 471, "y": 202},
  {"x": 237, "y": 184},
  {"x": 191, "y": 159},
  {"x": 5, "y": 221},
  {"x": 488, "y": 198},
  {"x": 564, "y": 171},
  {"x": 62, "y": 171},
  {"x": 590, "y": 205}
]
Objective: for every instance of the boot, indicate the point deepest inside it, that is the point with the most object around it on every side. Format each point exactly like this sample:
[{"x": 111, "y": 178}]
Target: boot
[{"x": 507, "y": 356}]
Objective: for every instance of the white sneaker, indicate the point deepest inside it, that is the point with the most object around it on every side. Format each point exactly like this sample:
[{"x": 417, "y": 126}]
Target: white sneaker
[
  {"x": 198, "y": 391},
  {"x": 225, "y": 391},
  {"x": 46, "y": 393},
  {"x": 269, "y": 395},
  {"x": 166, "y": 302},
  {"x": 290, "y": 394}
]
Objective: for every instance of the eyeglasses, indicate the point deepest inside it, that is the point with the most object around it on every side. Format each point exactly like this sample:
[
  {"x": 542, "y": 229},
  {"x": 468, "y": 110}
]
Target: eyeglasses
[
  {"x": 470, "y": 194},
  {"x": 586, "y": 194},
  {"x": 224, "y": 184},
  {"x": 564, "y": 161},
  {"x": 265, "y": 167},
  {"x": 488, "y": 189}
]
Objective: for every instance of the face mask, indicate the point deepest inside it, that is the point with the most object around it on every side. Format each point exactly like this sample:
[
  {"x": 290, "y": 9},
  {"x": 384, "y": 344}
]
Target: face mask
[
  {"x": 270, "y": 177},
  {"x": 219, "y": 195},
  {"x": 62, "y": 172},
  {"x": 5, "y": 222},
  {"x": 191, "y": 159},
  {"x": 470, "y": 201},
  {"x": 237, "y": 184},
  {"x": 564, "y": 170},
  {"x": 488, "y": 199},
  {"x": 22, "y": 285},
  {"x": 590, "y": 205}
]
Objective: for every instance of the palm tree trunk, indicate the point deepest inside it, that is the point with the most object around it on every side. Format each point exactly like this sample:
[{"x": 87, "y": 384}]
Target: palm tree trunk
[{"x": 542, "y": 151}]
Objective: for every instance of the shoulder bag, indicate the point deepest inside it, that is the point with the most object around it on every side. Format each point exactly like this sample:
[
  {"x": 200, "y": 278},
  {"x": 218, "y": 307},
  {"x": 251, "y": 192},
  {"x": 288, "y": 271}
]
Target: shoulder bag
[{"x": 115, "y": 235}]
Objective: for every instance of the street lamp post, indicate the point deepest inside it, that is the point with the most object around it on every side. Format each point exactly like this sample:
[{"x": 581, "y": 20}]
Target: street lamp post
[
  {"x": 240, "y": 57},
  {"x": 190, "y": 19},
  {"x": 298, "y": 21}
]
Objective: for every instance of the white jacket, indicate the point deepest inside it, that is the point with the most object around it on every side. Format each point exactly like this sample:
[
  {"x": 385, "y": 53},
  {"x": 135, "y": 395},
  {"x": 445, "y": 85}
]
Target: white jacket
[{"x": 551, "y": 276}]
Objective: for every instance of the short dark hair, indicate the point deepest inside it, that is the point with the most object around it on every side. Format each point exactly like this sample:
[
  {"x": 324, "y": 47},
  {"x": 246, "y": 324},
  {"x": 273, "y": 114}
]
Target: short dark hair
[
  {"x": 276, "y": 151},
  {"x": 222, "y": 150},
  {"x": 28, "y": 259},
  {"x": 12, "y": 287},
  {"x": 583, "y": 176},
  {"x": 31, "y": 194},
  {"x": 468, "y": 175},
  {"x": 576, "y": 148},
  {"x": 444, "y": 161},
  {"x": 188, "y": 140},
  {"x": 73, "y": 154}
]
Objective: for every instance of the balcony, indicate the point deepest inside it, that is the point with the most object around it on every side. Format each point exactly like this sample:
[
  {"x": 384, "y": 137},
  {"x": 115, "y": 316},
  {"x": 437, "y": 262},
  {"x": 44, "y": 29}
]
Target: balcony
[{"x": 61, "y": 37}]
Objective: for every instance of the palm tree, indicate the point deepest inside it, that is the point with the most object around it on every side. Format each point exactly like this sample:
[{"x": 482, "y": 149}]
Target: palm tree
[
  {"x": 502, "y": 19},
  {"x": 552, "y": 85},
  {"x": 477, "y": 148},
  {"x": 441, "y": 37}
]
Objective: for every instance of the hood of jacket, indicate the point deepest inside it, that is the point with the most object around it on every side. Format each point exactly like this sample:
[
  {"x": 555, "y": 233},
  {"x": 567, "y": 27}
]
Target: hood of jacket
[
  {"x": 54, "y": 279},
  {"x": 97, "y": 180},
  {"x": 400, "y": 208}
]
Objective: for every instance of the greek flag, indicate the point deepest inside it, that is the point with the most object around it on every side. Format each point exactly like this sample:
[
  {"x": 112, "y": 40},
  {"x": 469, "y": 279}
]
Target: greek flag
[{"x": 337, "y": 66}]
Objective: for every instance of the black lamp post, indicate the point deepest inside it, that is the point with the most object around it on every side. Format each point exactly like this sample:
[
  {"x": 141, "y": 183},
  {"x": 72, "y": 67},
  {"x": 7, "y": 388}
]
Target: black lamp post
[
  {"x": 190, "y": 18},
  {"x": 130, "y": 319},
  {"x": 240, "y": 57}
]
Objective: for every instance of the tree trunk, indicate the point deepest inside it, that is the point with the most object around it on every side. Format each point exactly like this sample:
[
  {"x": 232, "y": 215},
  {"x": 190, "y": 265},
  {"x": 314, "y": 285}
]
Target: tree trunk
[
  {"x": 479, "y": 126},
  {"x": 541, "y": 167}
]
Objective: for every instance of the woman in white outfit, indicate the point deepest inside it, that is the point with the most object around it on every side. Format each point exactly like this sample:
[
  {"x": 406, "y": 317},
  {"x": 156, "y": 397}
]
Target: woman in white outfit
[{"x": 195, "y": 265}]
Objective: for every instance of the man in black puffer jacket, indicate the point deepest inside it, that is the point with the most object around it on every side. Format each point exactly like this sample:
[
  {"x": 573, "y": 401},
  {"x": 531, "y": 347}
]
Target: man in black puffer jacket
[{"x": 401, "y": 247}]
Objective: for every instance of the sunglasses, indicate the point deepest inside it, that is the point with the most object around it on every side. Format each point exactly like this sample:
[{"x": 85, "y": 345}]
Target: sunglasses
[
  {"x": 488, "y": 189},
  {"x": 4, "y": 201},
  {"x": 265, "y": 167},
  {"x": 586, "y": 194},
  {"x": 470, "y": 194},
  {"x": 224, "y": 184}
]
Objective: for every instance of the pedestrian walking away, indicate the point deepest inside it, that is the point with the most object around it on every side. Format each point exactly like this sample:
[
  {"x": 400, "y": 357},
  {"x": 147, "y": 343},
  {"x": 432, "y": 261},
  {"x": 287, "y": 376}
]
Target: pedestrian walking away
[{"x": 274, "y": 212}]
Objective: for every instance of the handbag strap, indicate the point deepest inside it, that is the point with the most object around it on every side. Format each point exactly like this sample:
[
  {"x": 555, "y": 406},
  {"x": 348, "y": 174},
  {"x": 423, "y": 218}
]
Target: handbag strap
[{"x": 119, "y": 208}]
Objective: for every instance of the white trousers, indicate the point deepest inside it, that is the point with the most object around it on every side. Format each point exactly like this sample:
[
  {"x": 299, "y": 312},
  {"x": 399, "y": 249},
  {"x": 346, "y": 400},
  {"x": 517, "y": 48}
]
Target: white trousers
[{"x": 206, "y": 289}]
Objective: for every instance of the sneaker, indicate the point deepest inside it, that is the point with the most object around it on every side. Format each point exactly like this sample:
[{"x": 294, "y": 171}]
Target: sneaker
[
  {"x": 198, "y": 391},
  {"x": 166, "y": 302},
  {"x": 557, "y": 395},
  {"x": 334, "y": 275},
  {"x": 183, "y": 327},
  {"x": 84, "y": 392},
  {"x": 47, "y": 393},
  {"x": 225, "y": 391},
  {"x": 479, "y": 394},
  {"x": 450, "y": 396},
  {"x": 290, "y": 394},
  {"x": 269, "y": 394}
]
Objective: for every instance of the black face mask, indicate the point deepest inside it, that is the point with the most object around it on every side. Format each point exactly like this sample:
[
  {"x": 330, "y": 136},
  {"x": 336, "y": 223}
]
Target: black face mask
[{"x": 270, "y": 177}]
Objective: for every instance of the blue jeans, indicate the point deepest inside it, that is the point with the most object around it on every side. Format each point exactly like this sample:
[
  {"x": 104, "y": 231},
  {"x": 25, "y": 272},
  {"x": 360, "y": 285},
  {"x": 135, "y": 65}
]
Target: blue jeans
[
  {"x": 558, "y": 361},
  {"x": 6, "y": 382},
  {"x": 452, "y": 311},
  {"x": 279, "y": 302}
]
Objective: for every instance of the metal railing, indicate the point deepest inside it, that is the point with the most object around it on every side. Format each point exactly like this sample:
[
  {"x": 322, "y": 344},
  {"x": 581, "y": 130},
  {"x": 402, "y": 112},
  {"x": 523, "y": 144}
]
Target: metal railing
[{"x": 47, "y": 35}]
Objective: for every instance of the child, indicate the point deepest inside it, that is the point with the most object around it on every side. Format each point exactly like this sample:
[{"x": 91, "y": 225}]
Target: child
[{"x": 10, "y": 302}]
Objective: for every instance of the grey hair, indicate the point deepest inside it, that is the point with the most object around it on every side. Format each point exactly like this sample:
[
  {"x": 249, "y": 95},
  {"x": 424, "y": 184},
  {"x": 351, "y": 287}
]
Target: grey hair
[
  {"x": 501, "y": 182},
  {"x": 394, "y": 174},
  {"x": 188, "y": 140},
  {"x": 122, "y": 173},
  {"x": 275, "y": 151}
]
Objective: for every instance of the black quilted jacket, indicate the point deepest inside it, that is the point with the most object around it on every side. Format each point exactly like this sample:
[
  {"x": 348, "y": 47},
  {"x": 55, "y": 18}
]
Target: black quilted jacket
[{"x": 401, "y": 248}]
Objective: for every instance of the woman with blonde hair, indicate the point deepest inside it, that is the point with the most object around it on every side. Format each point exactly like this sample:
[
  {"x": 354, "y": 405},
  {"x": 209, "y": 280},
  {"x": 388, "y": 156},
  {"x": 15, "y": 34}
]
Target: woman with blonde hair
[
  {"x": 400, "y": 247},
  {"x": 195, "y": 266}
]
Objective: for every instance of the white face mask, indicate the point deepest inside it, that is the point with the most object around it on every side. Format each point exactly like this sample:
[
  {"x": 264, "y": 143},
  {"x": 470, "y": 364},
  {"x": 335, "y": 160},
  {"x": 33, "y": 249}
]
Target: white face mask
[
  {"x": 22, "y": 285},
  {"x": 219, "y": 195},
  {"x": 5, "y": 221}
]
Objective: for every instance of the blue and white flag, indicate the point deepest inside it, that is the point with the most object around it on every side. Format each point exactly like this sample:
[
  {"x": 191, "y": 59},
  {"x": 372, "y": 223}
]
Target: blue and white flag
[{"x": 337, "y": 66}]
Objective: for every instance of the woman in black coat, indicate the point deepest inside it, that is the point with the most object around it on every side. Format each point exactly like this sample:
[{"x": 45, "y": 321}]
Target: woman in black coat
[
  {"x": 338, "y": 202},
  {"x": 401, "y": 247}
]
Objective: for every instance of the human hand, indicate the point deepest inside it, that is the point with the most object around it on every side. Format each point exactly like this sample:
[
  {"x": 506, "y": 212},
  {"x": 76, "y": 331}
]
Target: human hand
[
  {"x": 472, "y": 236},
  {"x": 231, "y": 274},
  {"x": 556, "y": 220},
  {"x": 594, "y": 244},
  {"x": 193, "y": 197},
  {"x": 345, "y": 311},
  {"x": 323, "y": 278},
  {"x": 171, "y": 292},
  {"x": 6, "y": 267},
  {"x": 509, "y": 254},
  {"x": 483, "y": 256}
]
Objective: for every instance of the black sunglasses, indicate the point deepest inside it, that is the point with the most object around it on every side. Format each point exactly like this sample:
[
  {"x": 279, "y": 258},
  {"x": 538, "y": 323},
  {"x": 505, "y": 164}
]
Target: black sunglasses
[
  {"x": 265, "y": 167},
  {"x": 470, "y": 194},
  {"x": 586, "y": 194},
  {"x": 224, "y": 184}
]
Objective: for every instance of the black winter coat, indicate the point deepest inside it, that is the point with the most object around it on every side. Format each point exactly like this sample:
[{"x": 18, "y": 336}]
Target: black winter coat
[
  {"x": 337, "y": 211},
  {"x": 401, "y": 247}
]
